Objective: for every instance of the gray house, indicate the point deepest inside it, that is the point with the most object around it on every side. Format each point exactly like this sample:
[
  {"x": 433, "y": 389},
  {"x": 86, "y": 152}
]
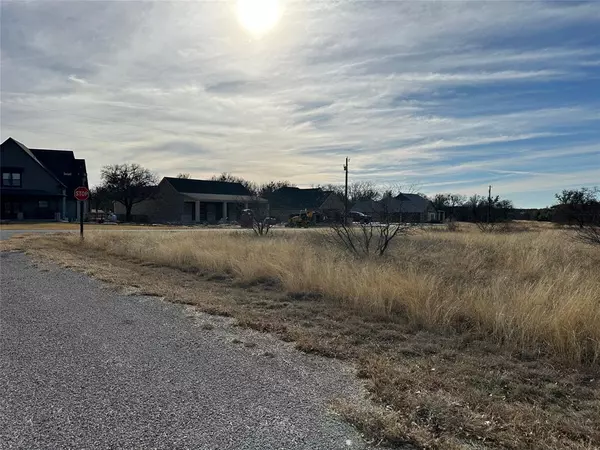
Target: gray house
[
  {"x": 410, "y": 208},
  {"x": 38, "y": 184},
  {"x": 181, "y": 200}
]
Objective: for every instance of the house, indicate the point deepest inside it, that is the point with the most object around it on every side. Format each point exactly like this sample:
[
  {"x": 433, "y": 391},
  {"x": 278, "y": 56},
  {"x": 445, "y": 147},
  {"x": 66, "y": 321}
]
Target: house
[
  {"x": 39, "y": 184},
  {"x": 182, "y": 200},
  {"x": 412, "y": 208},
  {"x": 286, "y": 201}
]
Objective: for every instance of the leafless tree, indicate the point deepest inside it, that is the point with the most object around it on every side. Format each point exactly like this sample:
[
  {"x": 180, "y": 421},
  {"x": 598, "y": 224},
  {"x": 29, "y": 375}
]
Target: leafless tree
[
  {"x": 589, "y": 233},
  {"x": 256, "y": 216},
  {"x": 230, "y": 178},
  {"x": 128, "y": 184},
  {"x": 367, "y": 239},
  {"x": 185, "y": 176}
]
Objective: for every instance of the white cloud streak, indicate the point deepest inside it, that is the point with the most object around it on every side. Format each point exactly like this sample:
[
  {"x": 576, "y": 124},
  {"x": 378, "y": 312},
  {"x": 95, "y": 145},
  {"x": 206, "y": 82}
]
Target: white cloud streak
[{"x": 409, "y": 90}]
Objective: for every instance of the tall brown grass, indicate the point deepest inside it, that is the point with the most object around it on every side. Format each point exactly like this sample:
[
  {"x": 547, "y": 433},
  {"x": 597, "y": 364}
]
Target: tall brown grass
[{"x": 538, "y": 291}]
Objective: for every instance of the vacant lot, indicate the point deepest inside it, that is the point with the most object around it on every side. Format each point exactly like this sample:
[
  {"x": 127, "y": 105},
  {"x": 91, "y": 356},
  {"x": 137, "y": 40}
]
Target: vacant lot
[{"x": 466, "y": 340}]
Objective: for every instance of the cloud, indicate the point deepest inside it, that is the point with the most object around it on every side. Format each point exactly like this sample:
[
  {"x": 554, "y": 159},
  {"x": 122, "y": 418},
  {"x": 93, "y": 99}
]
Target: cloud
[
  {"x": 75, "y": 79},
  {"x": 444, "y": 94}
]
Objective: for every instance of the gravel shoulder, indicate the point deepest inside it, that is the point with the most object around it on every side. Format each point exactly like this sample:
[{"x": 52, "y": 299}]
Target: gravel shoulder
[{"x": 84, "y": 367}]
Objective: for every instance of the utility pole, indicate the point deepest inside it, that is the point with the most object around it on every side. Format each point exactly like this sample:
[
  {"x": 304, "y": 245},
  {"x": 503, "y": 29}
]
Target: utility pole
[
  {"x": 346, "y": 191},
  {"x": 489, "y": 211}
]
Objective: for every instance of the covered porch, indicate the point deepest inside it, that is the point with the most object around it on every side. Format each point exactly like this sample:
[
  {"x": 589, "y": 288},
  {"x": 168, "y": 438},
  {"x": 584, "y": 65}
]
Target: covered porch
[
  {"x": 29, "y": 204},
  {"x": 217, "y": 208}
]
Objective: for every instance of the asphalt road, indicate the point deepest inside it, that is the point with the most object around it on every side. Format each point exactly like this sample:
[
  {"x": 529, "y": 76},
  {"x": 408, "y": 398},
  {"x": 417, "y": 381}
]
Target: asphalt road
[{"x": 84, "y": 367}]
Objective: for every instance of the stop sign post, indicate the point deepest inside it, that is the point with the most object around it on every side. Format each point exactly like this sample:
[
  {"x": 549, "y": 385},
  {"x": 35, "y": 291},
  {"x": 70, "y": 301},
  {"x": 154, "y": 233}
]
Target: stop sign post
[{"x": 81, "y": 194}]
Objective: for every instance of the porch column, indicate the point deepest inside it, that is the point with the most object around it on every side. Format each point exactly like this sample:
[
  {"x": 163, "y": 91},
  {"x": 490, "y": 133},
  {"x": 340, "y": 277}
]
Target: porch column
[
  {"x": 197, "y": 210},
  {"x": 64, "y": 206},
  {"x": 246, "y": 205},
  {"x": 224, "y": 210}
]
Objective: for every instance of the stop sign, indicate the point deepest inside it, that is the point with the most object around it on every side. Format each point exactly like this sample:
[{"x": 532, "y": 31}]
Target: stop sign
[{"x": 82, "y": 193}]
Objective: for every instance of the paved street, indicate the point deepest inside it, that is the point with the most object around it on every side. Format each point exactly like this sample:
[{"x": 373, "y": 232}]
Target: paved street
[{"x": 83, "y": 367}]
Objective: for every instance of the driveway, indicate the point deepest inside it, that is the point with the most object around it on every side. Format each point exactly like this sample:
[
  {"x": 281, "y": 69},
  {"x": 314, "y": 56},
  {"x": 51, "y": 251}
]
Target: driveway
[{"x": 84, "y": 367}]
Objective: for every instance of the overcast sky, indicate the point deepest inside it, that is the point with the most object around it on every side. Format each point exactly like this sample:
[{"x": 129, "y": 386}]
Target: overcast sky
[{"x": 449, "y": 95}]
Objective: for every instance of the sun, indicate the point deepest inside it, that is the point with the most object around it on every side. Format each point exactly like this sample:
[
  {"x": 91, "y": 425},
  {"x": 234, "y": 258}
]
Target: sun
[{"x": 258, "y": 16}]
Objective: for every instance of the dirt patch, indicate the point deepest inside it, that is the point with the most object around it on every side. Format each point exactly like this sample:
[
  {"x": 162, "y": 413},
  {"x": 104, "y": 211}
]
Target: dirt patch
[{"x": 429, "y": 390}]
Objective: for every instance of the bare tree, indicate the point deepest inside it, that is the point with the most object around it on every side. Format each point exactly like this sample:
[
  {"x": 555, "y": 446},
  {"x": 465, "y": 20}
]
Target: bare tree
[
  {"x": 454, "y": 201},
  {"x": 366, "y": 239},
  {"x": 578, "y": 205},
  {"x": 185, "y": 176},
  {"x": 128, "y": 184},
  {"x": 589, "y": 233},
  {"x": 268, "y": 188},
  {"x": 360, "y": 191},
  {"x": 100, "y": 198},
  {"x": 230, "y": 178},
  {"x": 256, "y": 216}
]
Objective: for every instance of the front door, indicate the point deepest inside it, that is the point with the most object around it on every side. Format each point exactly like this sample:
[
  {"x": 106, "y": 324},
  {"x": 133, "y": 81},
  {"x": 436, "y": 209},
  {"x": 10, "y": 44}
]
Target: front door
[
  {"x": 211, "y": 212},
  {"x": 10, "y": 209}
]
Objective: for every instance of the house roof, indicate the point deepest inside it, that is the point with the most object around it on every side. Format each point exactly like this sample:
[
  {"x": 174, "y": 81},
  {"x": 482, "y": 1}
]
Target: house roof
[
  {"x": 406, "y": 203},
  {"x": 34, "y": 157},
  {"x": 413, "y": 202},
  {"x": 296, "y": 198},
  {"x": 62, "y": 163},
  {"x": 188, "y": 186}
]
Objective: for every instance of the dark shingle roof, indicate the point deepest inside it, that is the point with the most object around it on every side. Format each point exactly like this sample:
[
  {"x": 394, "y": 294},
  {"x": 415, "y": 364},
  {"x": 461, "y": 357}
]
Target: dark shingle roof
[
  {"x": 64, "y": 166},
  {"x": 185, "y": 185},
  {"x": 296, "y": 198},
  {"x": 406, "y": 203},
  {"x": 413, "y": 202},
  {"x": 10, "y": 141},
  {"x": 61, "y": 164}
]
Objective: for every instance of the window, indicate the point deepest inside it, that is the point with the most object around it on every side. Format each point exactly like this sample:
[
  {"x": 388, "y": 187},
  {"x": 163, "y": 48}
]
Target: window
[
  {"x": 11, "y": 179},
  {"x": 43, "y": 204}
]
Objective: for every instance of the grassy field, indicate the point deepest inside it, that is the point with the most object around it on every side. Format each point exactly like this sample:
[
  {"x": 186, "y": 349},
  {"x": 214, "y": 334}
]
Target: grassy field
[{"x": 465, "y": 339}]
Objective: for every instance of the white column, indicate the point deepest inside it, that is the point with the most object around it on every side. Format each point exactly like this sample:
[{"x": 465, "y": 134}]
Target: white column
[
  {"x": 224, "y": 210},
  {"x": 198, "y": 211},
  {"x": 246, "y": 205}
]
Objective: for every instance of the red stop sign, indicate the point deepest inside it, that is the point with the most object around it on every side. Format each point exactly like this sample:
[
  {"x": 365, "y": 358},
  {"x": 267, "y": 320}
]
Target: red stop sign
[{"x": 82, "y": 193}]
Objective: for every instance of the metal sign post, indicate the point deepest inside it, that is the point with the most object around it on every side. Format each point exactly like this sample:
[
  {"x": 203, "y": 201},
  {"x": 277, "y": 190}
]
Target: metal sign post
[{"x": 82, "y": 194}]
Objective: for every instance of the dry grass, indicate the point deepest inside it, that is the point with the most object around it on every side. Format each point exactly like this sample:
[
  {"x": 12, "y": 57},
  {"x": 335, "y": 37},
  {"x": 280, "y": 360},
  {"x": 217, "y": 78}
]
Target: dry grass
[
  {"x": 466, "y": 340},
  {"x": 529, "y": 291}
]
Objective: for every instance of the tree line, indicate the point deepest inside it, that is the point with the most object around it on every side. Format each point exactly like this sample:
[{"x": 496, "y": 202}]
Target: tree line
[{"x": 129, "y": 184}]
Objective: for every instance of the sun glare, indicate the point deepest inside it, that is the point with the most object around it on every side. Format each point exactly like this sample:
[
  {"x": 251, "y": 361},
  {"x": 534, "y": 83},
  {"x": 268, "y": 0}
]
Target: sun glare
[{"x": 258, "y": 16}]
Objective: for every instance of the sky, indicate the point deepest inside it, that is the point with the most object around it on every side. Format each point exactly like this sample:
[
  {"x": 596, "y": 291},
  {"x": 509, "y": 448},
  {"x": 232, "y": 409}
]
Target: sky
[{"x": 447, "y": 96}]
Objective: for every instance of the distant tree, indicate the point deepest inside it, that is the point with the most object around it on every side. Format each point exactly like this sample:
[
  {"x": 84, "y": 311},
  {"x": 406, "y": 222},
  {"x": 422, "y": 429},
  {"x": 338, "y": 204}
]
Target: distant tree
[
  {"x": 502, "y": 209},
  {"x": 475, "y": 203},
  {"x": 543, "y": 215},
  {"x": 441, "y": 201},
  {"x": 100, "y": 198},
  {"x": 185, "y": 176},
  {"x": 577, "y": 205},
  {"x": 230, "y": 178},
  {"x": 360, "y": 191},
  {"x": 128, "y": 184},
  {"x": 267, "y": 188},
  {"x": 456, "y": 201},
  {"x": 448, "y": 202}
]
